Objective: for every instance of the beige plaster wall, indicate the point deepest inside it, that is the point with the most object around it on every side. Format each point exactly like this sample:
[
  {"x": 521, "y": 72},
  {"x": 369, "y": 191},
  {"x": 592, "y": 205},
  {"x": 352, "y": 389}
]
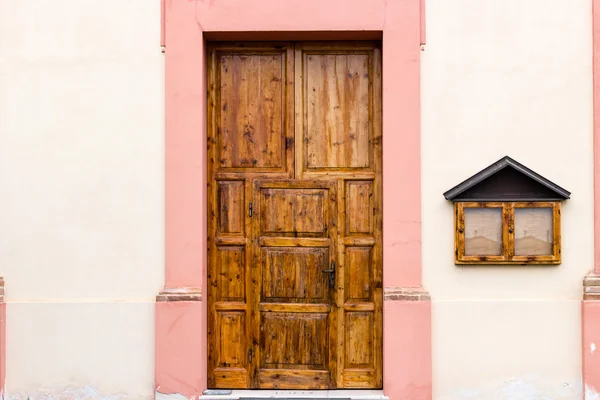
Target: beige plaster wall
[
  {"x": 81, "y": 168},
  {"x": 81, "y": 171},
  {"x": 507, "y": 78}
]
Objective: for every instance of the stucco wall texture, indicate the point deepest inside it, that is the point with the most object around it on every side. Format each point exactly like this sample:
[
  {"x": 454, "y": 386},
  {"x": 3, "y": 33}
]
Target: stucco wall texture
[
  {"x": 507, "y": 78},
  {"x": 82, "y": 173}
]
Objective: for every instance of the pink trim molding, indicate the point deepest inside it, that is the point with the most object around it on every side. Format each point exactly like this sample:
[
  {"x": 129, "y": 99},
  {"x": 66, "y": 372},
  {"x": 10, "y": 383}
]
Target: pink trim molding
[
  {"x": 590, "y": 308},
  {"x": 180, "y": 314},
  {"x": 407, "y": 366},
  {"x": 590, "y": 312},
  {"x": 422, "y": 22},
  {"x": 179, "y": 365},
  {"x": 162, "y": 24},
  {"x": 2, "y": 340},
  {"x": 596, "y": 80}
]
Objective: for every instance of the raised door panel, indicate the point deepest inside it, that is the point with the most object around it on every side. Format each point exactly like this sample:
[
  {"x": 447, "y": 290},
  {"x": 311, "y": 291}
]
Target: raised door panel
[
  {"x": 230, "y": 203},
  {"x": 228, "y": 333},
  {"x": 251, "y": 107},
  {"x": 229, "y": 255},
  {"x": 360, "y": 318},
  {"x": 359, "y": 207},
  {"x": 358, "y": 274},
  {"x": 336, "y": 108},
  {"x": 228, "y": 321},
  {"x": 231, "y": 273},
  {"x": 294, "y": 340},
  {"x": 337, "y": 114},
  {"x": 294, "y": 275},
  {"x": 359, "y": 339},
  {"x": 295, "y": 238},
  {"x": 293, "y": 212}
]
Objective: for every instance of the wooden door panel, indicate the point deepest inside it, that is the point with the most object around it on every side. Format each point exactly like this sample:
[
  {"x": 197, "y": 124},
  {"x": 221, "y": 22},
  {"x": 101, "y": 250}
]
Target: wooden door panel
[
  {"x": 359, "y": 207},
  {"x": 228, "y": 332},
  {"x": 250, "y": 133},
  {"x": 294, "y": 164},
  {"x": 336, "y": 103},
  {"x": 228, "y": 321},
  {"x": 293, "y": 379},
  {"x": 358, "y": 280},
  {"x": 252, "y": 107},
  {"x": 230, "y": 201},
  {"x": 359, "y": 340},
  {"x": 231, "y": 330},
  {"x": 294, "y": 274},
  {"x": 234, "y": 378},
  {"x": 231, "y": 273},
  {"x": 292, "y": 291},
  {"x": 230, "y": 354},
  {"x": 360, "y": 319},
  {"x": 338, "y": 118},
  {"x": 295, "y": 340},
  {"x": 292, "y": 211},
  {"x": 337, "y": 113},
  {"x": 250, "y": 113}
]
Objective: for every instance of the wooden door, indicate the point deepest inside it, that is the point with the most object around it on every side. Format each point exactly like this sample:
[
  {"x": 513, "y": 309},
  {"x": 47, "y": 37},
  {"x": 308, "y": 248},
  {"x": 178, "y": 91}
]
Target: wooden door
[
  {"x": 295, "y": 231},
  {"x": 295, "y": 210}
]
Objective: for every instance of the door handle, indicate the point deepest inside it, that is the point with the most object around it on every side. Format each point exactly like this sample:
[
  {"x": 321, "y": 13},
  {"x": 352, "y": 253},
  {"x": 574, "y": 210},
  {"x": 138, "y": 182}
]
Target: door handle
[{"x": 331, "y": 272}]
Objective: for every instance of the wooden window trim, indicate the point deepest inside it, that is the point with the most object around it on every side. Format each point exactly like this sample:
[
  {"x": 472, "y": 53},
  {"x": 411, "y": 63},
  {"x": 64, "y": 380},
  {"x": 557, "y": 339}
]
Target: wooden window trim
[
  {"x": 508, "y": 238},
  {"x": 549, "y": 259},
  {"x": 460, "y": 234}
]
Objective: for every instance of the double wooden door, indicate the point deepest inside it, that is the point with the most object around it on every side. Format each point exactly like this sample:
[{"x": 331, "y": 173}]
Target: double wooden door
[{"x": 295, "y": 215}]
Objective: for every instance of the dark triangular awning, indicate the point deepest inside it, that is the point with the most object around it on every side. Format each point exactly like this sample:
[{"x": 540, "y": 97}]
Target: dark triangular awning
[{"x": 507, "y": 180}]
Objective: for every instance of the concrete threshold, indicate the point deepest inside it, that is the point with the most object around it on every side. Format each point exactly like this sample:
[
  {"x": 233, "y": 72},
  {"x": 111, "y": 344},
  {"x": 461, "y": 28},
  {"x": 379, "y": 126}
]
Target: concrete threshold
[{"x": 341, "y": 394}]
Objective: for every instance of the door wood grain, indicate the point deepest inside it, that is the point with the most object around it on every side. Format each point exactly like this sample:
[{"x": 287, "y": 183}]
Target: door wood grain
[{"x": 295, "y": 215}]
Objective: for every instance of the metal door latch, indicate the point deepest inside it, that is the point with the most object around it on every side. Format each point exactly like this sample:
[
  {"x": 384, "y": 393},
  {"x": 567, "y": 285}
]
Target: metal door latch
[{"x": 331, "y": 272}]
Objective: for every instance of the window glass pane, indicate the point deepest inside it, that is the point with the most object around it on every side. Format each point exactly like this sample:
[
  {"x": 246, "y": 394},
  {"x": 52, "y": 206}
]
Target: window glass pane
[
  {"x": 533, "y": 231},
  {"x": 483, "y": 231}
]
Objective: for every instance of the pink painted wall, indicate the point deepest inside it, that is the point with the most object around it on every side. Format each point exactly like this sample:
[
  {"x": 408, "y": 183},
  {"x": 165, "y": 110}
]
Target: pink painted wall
[
  {"x": 180, "y": 369},
  {"x": 590, "y": 309},
  {"x": 596, "y": 75},
  {"x": 185, "y": 157},
  {"x": 186, "y": 23},
  {"x": 2, "y": 339},
  {"x": 2, "y": 348},
  {"x": 401, "y": 132},
  {"x": 407, "y": 350},
  {"x": 591, "y": 346}
]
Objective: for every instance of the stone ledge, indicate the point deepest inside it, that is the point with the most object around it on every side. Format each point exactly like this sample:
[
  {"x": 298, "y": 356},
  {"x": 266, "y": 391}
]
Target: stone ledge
[
  {"x": 395, "y": 293},
  {"x": 180, "y": 294},
  {"x": 591, "y": 286}
]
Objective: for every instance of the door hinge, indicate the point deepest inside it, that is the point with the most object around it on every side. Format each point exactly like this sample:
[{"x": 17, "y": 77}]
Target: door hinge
[
  {"x": 249, "y": 355},
  {"x": 250, "y": 210}
]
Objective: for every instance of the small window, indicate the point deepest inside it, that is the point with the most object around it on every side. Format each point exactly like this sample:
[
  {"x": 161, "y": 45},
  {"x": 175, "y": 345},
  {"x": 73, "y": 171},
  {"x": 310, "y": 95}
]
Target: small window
[{"x": 507, "y": 232}]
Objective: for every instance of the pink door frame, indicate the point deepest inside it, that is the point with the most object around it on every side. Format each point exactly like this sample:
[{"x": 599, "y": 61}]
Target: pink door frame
[
  {"x": 590, "y": 307},
  {"x": 2, "y": 339},
  {"x": 181, "y": 349}
]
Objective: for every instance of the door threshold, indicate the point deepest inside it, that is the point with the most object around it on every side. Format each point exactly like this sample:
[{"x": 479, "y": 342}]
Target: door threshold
[{"x": 338, "y": 394}]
